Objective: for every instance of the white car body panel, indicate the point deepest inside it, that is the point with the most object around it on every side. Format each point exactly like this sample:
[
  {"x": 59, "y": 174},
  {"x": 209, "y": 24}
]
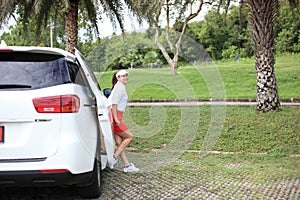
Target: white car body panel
[
  {"x": 23, "y": 139},
  {"x": 63, "y": 143}
]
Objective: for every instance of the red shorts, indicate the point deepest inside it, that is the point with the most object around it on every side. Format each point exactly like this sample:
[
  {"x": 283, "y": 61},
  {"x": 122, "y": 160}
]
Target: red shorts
[{"x": 122, "y": 127}]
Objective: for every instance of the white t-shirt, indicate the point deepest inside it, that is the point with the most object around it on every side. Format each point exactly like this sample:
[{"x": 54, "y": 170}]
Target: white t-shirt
[{"x": 119, "y": 96}]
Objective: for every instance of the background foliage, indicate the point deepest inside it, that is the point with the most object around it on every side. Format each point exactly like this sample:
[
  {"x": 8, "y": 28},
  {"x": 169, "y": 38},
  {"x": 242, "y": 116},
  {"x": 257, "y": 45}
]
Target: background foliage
[{"x": 223, "y": 36}]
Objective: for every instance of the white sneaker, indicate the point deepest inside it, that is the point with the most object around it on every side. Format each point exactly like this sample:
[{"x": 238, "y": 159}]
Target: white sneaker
[
  {"x": 131, "y": 168},
  {"x": 115, "y": 161}
]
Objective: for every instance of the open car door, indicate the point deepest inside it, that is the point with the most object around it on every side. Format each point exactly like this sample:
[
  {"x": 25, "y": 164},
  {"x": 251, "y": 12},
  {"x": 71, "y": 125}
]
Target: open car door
[{"x": 103, "y": 113}]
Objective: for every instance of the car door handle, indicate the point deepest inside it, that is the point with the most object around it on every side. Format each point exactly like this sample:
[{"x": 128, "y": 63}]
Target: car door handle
[{"x": 90, "y": 105}]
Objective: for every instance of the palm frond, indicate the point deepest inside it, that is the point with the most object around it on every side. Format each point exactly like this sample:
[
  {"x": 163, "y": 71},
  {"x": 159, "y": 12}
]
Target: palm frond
[
  {"x": 114, "y": 10},
  {"x": 294, "y": 3},
  {"x": 144, "y": 9},
  {"x": 7, "y": 8},
  {"x": 92, "y": 7}
]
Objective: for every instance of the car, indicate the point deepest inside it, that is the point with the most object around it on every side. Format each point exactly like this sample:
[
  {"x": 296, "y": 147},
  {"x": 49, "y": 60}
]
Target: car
[{"x": 54, "y": 121}]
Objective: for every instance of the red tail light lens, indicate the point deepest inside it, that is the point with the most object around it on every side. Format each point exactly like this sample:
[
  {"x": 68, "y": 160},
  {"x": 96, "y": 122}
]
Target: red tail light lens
[
  {"x": 57, "y": 104},
  {"x": 5, "y": 50},
  {"x": 54, "y": 170}
]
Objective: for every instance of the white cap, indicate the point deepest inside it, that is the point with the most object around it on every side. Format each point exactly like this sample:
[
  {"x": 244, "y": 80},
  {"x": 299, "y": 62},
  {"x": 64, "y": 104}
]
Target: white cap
[{"x": 122, "y": 72}]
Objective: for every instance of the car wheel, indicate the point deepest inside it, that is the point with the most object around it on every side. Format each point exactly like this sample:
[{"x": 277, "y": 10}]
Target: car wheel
[{"x": 93, "y": 190}]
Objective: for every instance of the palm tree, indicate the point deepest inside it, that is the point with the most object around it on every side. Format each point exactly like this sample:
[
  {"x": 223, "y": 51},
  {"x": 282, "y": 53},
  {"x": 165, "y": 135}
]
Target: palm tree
[
  {"x": 68, "y": 9},
  {"x": 262, "y": 20}
]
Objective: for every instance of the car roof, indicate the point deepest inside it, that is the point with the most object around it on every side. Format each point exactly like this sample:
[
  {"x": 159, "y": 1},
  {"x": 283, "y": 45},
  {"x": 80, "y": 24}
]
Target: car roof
[{"x": 45, "y": 50}]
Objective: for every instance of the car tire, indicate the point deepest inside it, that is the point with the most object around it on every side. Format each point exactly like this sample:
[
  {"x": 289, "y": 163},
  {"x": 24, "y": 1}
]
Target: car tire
[{"x": 93, "y": 190}]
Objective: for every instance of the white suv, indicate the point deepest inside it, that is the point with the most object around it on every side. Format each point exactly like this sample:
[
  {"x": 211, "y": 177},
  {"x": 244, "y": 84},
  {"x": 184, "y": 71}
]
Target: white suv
[{"x": 54, "y": 124}]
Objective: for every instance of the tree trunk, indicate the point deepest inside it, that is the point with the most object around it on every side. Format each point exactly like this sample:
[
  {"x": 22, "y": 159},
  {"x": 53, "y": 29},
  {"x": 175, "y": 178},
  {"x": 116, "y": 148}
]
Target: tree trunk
[
  {"x": 266, "y": 88},
  {"x": 173, "y": 68},
  {"x": 72, "y": 26},
  {"x": 176, "y": 51},
  {"x": 262, "y": 21}
]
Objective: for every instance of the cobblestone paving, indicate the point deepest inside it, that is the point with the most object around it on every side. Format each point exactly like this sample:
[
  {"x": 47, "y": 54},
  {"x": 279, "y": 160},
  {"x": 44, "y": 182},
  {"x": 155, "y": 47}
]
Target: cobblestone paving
[
  {"x": 188, "y": 181},
  {"x": 168, "y": 184}
]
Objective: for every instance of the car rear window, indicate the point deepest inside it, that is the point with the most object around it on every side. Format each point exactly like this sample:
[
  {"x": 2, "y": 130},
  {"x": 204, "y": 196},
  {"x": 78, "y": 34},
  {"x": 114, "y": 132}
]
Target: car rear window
[{"x": 32, "y": 71}]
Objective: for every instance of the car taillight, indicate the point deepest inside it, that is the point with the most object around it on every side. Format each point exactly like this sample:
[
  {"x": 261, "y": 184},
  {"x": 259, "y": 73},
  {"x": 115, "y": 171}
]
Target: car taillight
[
  {"x": 4, "y": 47},
  {"x": 54, "y": 171},
  {"x": 57, "y": 104},
  {"x": 5, "y": 50}
]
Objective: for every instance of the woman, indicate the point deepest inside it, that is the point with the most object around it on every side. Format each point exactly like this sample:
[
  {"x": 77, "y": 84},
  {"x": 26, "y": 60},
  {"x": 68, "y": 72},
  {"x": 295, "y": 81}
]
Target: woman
[{"x": 122, "y": 135}]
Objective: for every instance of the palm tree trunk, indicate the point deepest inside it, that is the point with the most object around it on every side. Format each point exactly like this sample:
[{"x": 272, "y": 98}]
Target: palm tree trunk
[
  {"x": 262, "y": 21},
  {"x": 72, "y": 26}
]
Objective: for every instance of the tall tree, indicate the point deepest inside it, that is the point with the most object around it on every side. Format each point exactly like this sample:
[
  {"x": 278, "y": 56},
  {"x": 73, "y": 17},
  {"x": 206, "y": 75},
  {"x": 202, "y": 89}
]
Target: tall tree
[
  {"x": 262, "y": 20},
  {"x": 182, "y": 12},
  {"x": 175, "y": 49},
  {"x": 187, "y": 10},
  {"x": 68, "y": 9}
]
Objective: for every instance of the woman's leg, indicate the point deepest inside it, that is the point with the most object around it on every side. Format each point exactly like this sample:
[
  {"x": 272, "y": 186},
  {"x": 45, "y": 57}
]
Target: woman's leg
[
  {"x": 126, "y": 137},
  {"x": 119, "y": 140}
]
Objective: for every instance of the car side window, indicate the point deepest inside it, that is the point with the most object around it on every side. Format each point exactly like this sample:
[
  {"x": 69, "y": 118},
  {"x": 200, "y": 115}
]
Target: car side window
[
  {"x": 77, "y": 77},
  {"x": 94, "y": 78}
]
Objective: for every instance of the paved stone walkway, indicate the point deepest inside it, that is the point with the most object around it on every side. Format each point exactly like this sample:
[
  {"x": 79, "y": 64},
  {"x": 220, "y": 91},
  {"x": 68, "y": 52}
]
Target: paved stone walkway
[
  {"x": 173, "y": 183},
  {"x": 197, "y": 184}
]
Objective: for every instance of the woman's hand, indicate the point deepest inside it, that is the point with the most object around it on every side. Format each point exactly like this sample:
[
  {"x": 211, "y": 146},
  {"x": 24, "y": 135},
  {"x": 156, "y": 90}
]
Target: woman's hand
[
  {"x": 117, "y": 121},
  {"x": 114, "y": 111}
]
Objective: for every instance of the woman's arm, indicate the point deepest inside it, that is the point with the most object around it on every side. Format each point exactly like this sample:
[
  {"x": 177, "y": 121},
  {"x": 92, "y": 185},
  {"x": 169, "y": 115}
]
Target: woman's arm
[{"x": 114, "y": 111}]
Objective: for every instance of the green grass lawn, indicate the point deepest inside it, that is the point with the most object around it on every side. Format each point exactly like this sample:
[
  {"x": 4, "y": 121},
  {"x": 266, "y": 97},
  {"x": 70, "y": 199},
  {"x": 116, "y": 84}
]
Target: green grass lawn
[
  {"x": 263, "y": 146},
  {"x": 241, "y": 130},
  {"x": 228, "y": 79},
  {"x": 258, "y": 169},
  {"x": 263, "y": 142}
]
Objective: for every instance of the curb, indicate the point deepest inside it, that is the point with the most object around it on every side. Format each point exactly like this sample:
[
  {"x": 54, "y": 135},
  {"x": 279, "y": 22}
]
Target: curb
[
  {"x": 295, "y": 102},
  {"x": 285, "y": 100}
]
